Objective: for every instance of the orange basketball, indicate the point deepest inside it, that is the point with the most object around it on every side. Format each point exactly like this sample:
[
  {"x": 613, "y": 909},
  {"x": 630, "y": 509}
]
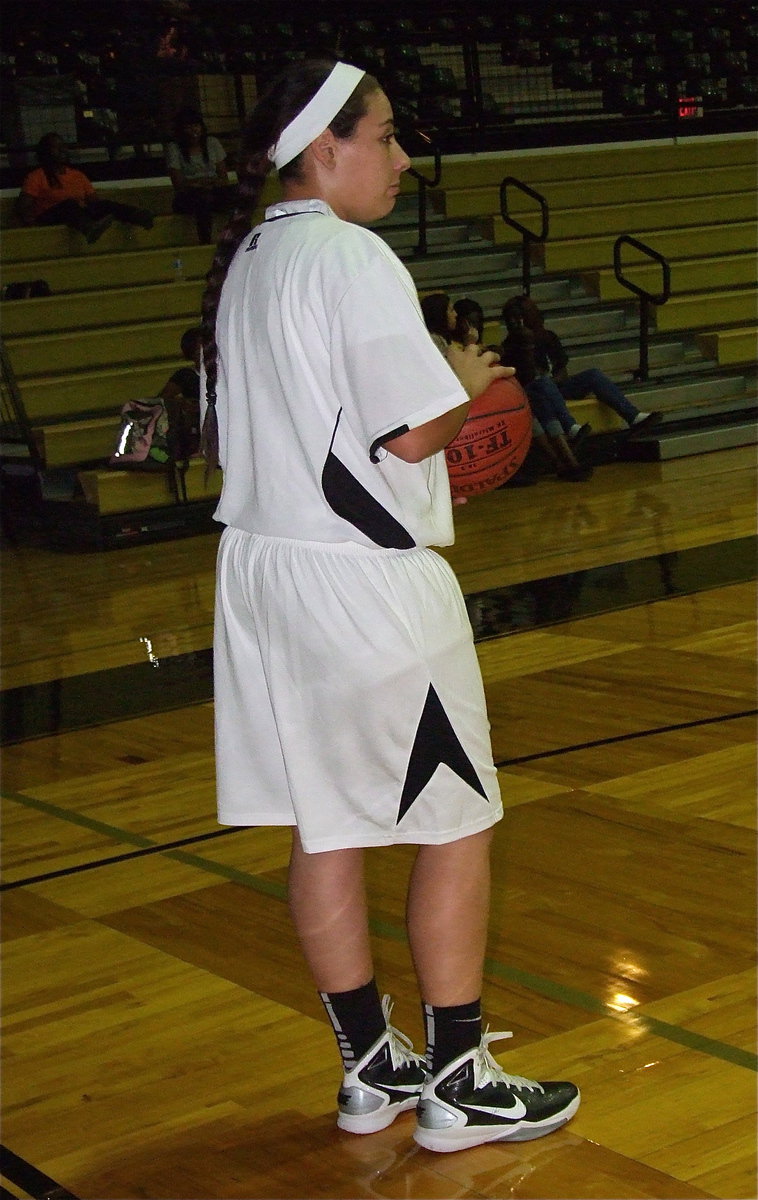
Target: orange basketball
[{"x": 493, "y": 441}]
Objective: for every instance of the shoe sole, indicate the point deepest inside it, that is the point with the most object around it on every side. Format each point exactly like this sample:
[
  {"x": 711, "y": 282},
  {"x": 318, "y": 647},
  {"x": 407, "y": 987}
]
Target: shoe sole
[
  {"x": 373, "y": 1122},
  {"x": 468, "y": 1136}
]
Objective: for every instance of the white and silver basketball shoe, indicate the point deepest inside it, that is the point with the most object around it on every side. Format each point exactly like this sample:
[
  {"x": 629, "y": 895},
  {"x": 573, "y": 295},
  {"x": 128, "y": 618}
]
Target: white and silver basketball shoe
[{"x": 385, "y": 1082}]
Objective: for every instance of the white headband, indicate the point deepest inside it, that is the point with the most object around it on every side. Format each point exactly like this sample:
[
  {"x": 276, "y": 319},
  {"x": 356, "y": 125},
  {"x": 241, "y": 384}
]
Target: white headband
[{"x": 318, "y": 113}]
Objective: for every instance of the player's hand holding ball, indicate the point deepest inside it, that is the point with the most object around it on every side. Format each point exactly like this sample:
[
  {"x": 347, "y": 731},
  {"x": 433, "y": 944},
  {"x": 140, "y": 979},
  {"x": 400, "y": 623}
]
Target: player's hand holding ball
[
  {"x": 476, "y": 369},
  {"x": 495, "y": 437}
]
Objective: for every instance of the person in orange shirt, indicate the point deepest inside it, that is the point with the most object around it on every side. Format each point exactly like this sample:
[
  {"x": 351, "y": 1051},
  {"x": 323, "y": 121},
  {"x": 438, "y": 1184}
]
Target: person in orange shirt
[{"x": 55, "y": 193}]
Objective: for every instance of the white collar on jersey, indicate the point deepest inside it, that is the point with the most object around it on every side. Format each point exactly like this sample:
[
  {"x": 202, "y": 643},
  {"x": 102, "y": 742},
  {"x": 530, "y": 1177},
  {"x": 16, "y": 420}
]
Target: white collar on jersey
[{"x": 293, "y": 208}]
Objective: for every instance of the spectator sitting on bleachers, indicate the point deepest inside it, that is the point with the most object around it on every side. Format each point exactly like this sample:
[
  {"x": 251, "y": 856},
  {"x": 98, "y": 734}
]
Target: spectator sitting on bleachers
[
  {"x": 440, "y": 318},
  {"x": 443, "y": 324},
  {"x": 196, "y": 164},
  {"x": 55, "y": 193},
  {"x": 469, "y": 327},
  {"x": 540, "y": 360},
  {"x": 181, "y": 395}
]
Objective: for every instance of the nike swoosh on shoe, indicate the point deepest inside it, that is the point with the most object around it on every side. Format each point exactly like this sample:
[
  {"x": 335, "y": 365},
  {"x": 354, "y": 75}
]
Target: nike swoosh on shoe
[{"x": 515, "y": 1113}]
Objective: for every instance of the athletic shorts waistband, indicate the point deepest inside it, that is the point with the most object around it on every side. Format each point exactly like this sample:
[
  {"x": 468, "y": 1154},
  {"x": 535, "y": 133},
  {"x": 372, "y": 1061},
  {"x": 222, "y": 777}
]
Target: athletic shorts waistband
[{"x": 342, "y": 549}]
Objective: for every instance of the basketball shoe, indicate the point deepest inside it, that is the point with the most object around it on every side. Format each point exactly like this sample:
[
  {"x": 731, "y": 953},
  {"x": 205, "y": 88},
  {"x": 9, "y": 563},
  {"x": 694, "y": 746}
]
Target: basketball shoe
[
  {"x": 472, "y": 1100},
  {"x": 386, "y": 1081}
]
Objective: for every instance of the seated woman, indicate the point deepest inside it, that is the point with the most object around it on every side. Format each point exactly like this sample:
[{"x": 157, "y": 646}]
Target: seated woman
[
  {"x": 549, "y": 383},
  {"x": 469, "y": 328},
  {"x": 196, "y": 164},
  {"x": 554, "y": 430},
  {"x": 181, "y": 395},
  {"x": 55, "y": 193},
  {"x": 441, "y": 319}
]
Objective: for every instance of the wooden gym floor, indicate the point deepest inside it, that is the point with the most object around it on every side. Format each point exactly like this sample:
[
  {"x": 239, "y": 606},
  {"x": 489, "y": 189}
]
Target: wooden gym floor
[{"x": 161, "y": 1037}]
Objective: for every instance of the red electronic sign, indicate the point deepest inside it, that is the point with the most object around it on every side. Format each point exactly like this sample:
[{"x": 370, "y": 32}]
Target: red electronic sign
[{"x": 690, "y": 106}]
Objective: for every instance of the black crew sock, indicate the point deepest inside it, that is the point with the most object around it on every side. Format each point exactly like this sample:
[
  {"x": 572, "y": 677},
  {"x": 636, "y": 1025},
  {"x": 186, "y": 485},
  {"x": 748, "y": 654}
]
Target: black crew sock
[
  {"x": 357, "y": 1019},
  {"x": 451, "y": 1031}
]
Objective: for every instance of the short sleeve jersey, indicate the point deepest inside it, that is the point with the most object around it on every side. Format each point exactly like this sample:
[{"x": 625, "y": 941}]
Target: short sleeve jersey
[
  {"x": 196, "y": 166},
  {"x": 322, "y": 354},
  {"x": 74, "y": 185}
]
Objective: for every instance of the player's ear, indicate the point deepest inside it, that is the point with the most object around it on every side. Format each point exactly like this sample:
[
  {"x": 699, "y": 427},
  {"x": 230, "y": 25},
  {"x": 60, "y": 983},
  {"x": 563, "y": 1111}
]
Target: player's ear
[{"x": 324, "y": 149}]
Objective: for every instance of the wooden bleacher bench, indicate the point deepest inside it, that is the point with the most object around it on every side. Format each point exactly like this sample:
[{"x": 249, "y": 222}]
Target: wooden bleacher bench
[
  {"x": 112, "y": 491},
  {"x": 115, "y": 306},
  {"x": 706, "y": 240},
  {"x": 536, "y": 166},
  {"x": 69, "y": 443},
  {"x": 97, "y": 272},
  {"x": 695, "y": 311},
  {"x": 731, "y": 347},
  {"x": 93, "y": 391},
  {"x": 125, "y": 345},
  {"x": 58, "y": 241},
  {"x": 639, "y": 217},
  {"x": 687, "y": 275},
  {"x": 602, "y": 190}
]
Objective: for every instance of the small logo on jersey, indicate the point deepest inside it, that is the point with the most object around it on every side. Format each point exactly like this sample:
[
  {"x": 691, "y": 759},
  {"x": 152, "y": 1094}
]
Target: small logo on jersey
[{"x": 254, "y": 242}]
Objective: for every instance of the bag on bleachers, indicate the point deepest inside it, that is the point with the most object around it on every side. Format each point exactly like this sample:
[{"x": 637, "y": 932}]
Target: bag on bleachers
[
  {"x": 26, "y": 289},
  {"x": 143, "y": 436}
]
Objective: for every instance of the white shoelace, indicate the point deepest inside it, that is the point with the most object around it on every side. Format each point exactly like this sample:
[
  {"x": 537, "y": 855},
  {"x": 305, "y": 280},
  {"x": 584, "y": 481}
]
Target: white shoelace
[
  {"x": 402, "y": 1053},
  {"x": 488, "y": 1070}
]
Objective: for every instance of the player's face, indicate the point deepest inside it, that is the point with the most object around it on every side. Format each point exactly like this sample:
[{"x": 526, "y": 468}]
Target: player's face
[{"x": 369, "y": 164}]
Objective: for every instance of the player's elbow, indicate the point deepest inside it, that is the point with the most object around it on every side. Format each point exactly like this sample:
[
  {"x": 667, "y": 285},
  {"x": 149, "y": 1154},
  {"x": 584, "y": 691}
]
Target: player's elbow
[{"x": 410, "y": 447}]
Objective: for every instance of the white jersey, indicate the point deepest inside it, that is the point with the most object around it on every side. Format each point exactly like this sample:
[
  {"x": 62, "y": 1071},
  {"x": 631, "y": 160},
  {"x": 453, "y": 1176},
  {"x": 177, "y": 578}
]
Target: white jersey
[{"x": 323, "y": 353}]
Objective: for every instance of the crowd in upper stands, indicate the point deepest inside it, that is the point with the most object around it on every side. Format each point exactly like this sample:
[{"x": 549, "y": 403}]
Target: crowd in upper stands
[{"x": 632, "y": 59}]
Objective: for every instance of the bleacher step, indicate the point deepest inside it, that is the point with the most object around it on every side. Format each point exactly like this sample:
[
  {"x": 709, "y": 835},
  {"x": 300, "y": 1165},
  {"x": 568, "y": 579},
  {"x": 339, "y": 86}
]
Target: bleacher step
[
  {"x": 75, "y": 273},
  {"x": 441, "y": 234},
  {"x": 115, "y": 491},
  {"x": 710, "y": 391},
  {"x": 682, "y": 442},
  {"x": 82, "y": 310},
  {"x": 445, "y": 270},
  {"x": 730, "y": 346}
]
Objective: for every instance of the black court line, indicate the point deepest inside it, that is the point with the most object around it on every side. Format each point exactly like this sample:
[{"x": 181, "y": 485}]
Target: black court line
[
  {"x": 625, "y": 737},
  {"x": 33, "y": 1181},
  {"x": 158, "y": 848},
  {"x": 163, "y": 685},
  {"x": 119, "y": 858}
]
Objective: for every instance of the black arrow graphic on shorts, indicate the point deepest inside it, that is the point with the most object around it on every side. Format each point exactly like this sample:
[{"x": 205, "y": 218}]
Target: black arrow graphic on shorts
[{"x": 435, "y": 743}]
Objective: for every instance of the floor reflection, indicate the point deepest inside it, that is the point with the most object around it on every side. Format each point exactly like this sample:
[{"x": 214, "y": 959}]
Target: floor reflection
[{"x": 163, "y": 682}]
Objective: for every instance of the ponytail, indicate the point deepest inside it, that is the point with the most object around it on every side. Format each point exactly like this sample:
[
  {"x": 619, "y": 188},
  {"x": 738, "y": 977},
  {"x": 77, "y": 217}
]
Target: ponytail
[{"x": 248, "y": 194}]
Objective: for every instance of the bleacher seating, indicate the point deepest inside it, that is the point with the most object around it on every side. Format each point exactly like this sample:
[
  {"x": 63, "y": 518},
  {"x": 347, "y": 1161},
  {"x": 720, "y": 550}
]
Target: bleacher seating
[{"x": 110, "y": 330}]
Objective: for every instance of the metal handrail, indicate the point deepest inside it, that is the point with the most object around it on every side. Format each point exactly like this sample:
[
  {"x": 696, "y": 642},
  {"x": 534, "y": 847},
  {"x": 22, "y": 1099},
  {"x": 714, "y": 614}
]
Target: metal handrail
[
  {"x": 15, "y": 422},
  {"x": 527, "y": 235},
  {"x": 646, "y": 298},
  {"x": 423, "y": 184}
]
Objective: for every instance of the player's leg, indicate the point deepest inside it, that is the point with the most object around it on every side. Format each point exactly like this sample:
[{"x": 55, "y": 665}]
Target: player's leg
[
  {"x": 327, "y": 898},
  {"x": 467, "y": 1099}
]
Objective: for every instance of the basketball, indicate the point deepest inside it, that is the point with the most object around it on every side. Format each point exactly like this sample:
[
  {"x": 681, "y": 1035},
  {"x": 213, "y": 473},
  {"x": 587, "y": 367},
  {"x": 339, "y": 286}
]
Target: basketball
[{"x": 493, "y": 440}]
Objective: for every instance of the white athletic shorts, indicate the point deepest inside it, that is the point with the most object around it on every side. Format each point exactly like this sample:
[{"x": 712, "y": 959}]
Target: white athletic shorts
[{"x": 348, "y": 696}]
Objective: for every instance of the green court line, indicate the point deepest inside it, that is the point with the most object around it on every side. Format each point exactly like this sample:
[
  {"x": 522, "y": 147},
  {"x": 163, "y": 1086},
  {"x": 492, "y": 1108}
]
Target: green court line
[
  {"x": 550, "y": 989},
  {"x": 75, "y": 818}
]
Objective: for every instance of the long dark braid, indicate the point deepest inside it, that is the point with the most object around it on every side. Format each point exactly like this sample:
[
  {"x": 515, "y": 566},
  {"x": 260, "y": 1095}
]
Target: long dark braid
[{"x": 284, "y": 99}]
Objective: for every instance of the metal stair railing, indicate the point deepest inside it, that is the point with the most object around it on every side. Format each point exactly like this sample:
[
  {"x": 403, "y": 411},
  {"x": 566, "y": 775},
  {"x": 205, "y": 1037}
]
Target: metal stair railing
[
  {"x": 15, "y": 427},
  {"x": 528, "y": 236},
  {"x": 646, "y": 298},
  {"x": 423, "y": 185}
]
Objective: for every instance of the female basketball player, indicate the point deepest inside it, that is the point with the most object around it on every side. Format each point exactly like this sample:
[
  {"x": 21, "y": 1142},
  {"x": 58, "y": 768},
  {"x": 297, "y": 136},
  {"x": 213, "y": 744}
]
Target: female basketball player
[{"x": 348, "y": 698}]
